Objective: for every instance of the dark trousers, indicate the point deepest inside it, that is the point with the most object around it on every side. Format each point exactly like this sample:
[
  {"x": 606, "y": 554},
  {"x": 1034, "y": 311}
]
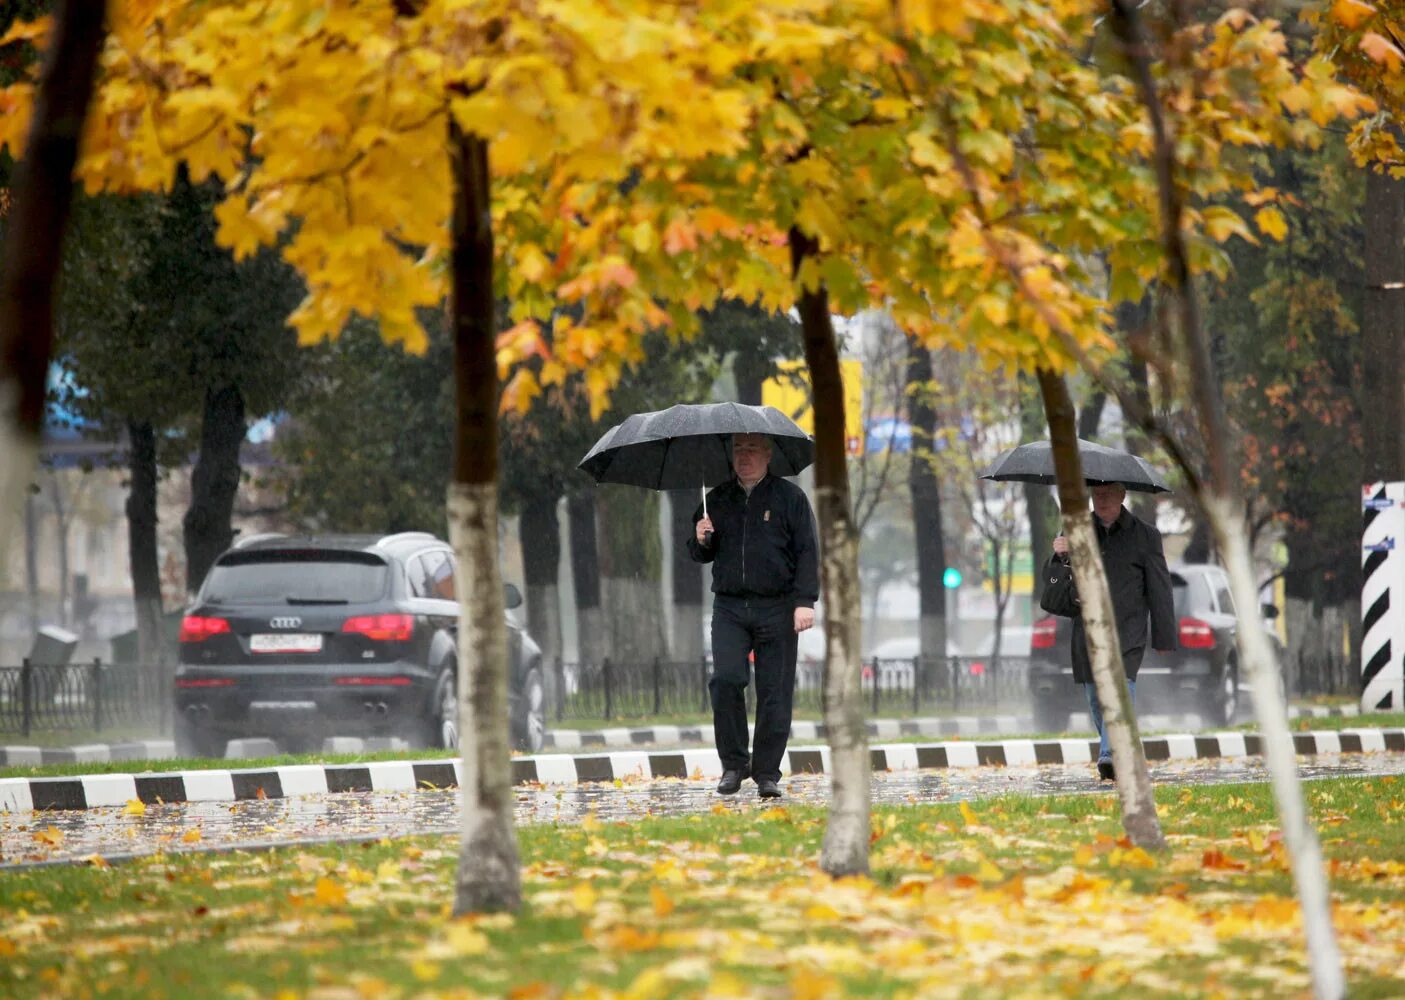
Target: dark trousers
[{"x": 740, "y": 628}]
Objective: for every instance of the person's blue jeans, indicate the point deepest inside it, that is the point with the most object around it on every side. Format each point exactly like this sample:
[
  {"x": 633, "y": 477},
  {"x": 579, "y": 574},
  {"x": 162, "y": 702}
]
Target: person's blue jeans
[{"x": 1096, "y": 710}]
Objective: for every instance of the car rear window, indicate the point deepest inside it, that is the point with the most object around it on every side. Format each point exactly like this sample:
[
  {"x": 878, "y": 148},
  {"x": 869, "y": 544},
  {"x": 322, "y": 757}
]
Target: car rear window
[{"x": 297, "y": 578}]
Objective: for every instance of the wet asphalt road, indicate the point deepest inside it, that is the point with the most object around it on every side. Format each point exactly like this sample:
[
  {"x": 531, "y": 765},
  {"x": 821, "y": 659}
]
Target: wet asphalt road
[{"x": 26, "y": 838}]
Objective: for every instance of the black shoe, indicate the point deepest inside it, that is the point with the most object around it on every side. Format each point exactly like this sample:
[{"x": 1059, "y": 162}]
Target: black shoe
[
  {"x": 767, "y": 789},
  {"x": 1105, "y": 770},
  {"x": 731, "y": 782}
]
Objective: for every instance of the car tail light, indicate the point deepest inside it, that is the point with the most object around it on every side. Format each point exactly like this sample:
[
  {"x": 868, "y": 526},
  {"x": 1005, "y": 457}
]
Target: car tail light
[
  {"x": 195, "y": 628},
  {"x": 204, "y": 682},
  {"x": 373, "y": 681},
  {"x": 382, "y": 628},
  {"x": 1046, "y": 630},
  {"x": 1195, "y": 634}
]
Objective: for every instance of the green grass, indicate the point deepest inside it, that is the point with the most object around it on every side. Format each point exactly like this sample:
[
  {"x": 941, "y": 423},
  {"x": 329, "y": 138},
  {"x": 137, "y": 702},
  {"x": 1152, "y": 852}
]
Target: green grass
[{"x": 1000, "y": 897}]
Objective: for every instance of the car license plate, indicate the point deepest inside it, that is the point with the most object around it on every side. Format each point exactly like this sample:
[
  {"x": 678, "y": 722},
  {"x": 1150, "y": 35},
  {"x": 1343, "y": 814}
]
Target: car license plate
[{"x": 288, "y": 642}]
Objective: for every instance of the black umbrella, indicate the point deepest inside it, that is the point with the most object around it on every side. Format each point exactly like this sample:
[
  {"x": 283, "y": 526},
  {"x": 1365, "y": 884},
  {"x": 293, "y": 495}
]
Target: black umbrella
[
  {"x": 1034, "y": 463},
  {"x": 690, "y": 445}
]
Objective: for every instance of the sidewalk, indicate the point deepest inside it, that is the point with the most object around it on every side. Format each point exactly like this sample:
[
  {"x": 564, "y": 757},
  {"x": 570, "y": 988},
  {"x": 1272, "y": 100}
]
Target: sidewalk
[{"x": 20, "y": 795}]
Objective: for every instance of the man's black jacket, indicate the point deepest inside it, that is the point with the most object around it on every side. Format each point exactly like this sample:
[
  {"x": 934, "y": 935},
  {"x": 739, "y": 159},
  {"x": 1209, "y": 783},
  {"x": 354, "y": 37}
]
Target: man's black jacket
[
  {"x": 1140, "y": 584},
  {"x": 762, "y": 545}
]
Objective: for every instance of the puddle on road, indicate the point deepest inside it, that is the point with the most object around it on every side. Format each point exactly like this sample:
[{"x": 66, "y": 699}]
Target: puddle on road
[{"x": 367, "y": 815}]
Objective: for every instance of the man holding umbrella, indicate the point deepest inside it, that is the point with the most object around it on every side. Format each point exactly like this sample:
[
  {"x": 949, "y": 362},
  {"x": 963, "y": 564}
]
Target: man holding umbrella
[
  {"x": 1137, "y": 577},
  {"x": 1140, "y": 585},
  {"x": 758, "y": 531}
]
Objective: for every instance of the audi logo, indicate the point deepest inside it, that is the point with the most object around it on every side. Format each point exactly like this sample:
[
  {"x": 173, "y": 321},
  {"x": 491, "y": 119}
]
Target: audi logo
[{"x": 284, "y": 622}]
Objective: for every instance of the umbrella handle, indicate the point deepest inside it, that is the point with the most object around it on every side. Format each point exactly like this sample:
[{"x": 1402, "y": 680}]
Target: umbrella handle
[{"x": 707, "y": 535}]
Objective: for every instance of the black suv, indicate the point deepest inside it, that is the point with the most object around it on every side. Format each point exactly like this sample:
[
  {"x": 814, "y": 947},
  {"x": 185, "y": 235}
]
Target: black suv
[
  {"x": 301, "y": 638},
  {"x": 1201, "y": 676}
]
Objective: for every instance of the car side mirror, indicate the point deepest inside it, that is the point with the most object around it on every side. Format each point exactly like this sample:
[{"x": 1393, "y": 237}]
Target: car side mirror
[
  {"x": 1270, "y": 611},
  {"x": 512, "y": 597}
]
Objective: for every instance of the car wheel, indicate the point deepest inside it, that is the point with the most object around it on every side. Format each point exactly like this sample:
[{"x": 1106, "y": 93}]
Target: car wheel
[
  {"x": 1223, "y": 703},
  {"x": 440, "y": 729},
  {"x": 192, "y": 742},
  {"x": 447, "y": 714},
  {"x": 529, "y": 727}
]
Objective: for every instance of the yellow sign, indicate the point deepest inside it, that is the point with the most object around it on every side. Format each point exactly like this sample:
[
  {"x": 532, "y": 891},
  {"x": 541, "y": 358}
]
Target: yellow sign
[{"x": 789, "y": 392}]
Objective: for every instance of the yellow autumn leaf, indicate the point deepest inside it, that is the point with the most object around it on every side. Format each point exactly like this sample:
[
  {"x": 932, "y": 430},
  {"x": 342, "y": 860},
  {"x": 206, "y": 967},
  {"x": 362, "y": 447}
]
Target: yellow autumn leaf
[
  {"x": 807, "y": 983},
  {"x": 1351, "y": 13},
  {"x": 1383, "y": 51},
  {"x": 424, "y": 970},
  {"x": 1271, "y": 222},
  {"x": 968, "y": 814},
  {"x": 464, "y": 940},
  {"x": 987, "y": 871},
  {"x": 329, "y": 892},
  {"x": 134, "y": 807},
  {"x": 661, "y": 901},
  {"x": 52, "y": 836},
  {"x": 192, "y": 836},
  {"x": 583, "y": 897}
]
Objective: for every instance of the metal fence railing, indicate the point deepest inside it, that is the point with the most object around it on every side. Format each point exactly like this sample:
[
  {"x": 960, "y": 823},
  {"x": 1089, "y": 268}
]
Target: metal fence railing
[
  {"x": 94, "y": 696},
  {"x": 90, "y": 696},
  {"x": 615, "y": 689}
]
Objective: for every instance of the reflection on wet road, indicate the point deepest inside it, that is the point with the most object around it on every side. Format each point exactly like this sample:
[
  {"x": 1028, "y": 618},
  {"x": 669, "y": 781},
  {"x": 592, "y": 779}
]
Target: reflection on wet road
[{"x": 27, "y": 838}]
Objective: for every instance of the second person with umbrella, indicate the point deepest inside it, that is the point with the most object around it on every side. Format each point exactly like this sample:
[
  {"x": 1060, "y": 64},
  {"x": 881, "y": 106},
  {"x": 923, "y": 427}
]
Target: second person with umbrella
[{"x": 758, "y": 531}]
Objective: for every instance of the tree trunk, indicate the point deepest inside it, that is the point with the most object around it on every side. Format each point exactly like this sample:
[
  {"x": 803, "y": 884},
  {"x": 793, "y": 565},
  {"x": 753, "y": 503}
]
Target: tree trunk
[
  {"x": 585, "y": 578},
  {"x": 1100, "y": 622},
  {"x": 61, "y": 526},
  {"x": 152, "y": 655},
  {"x": 1199, "y": 548},
  {"x": 1223, "y": 504},
  {"x": 686, "y": 642},
  {"x": 31, "y": 561},
  {"x": 41, "y": 196},
  {"x": 927, "y": 525},
  {"x": 214, "y": 483},
  {"x": 1040, "y": 508},
  {"x": 540, "y": 532},
  {"x": 749, "y": 377},
  {"x": 1133, "y": 319},
  {"x": 631, "y": 573},
  {"x": 846, "y": 837},
  {"x": 489, "y": 875},
  {"x": 1090, "y": 415},
  {"x": 1383, "y": 331}
]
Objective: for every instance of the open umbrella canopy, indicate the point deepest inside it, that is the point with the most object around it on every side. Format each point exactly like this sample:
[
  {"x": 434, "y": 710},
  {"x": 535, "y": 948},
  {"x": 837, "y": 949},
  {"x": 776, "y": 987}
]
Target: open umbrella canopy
[
  {"x": 690, "y": 445},
  {"x": 1034, "y": 463}
]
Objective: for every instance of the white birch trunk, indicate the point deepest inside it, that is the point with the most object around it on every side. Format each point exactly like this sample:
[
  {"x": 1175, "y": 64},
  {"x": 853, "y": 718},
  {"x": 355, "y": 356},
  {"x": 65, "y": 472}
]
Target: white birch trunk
[
  {"x": 489, "y": 876},
  {"x": 1299, "y": 837},
  {"x": 846, "y": 836},
  {"x": 544, "y": 625},
  {"x": 1109, "y": 677}
]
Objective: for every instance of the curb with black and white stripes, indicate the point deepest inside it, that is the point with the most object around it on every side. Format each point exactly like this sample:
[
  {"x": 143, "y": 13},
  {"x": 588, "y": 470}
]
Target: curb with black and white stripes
[{"x": 92, "y": 791}]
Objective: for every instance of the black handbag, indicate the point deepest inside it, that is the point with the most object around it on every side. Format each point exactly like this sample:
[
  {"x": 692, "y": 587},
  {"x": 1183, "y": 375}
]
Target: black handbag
[{"x": 1060, "y": 595}]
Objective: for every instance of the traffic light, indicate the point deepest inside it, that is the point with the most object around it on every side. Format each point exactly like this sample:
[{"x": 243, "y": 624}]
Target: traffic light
[{"x": 951, "y": 579}]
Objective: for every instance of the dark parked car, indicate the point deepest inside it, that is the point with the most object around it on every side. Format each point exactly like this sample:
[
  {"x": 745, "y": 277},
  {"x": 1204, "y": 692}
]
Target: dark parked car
[
  {"x": 1201, "y": 676},
  {"x": 300, "y": 638}
]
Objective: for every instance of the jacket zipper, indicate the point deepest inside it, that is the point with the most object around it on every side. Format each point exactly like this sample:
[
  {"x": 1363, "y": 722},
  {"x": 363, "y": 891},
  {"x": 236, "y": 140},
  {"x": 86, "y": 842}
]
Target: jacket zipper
[{"x": 746, "y": 513}]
